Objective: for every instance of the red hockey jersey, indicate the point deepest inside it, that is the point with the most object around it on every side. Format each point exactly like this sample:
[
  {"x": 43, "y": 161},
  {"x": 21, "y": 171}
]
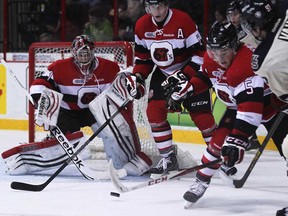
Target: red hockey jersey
[
  {"x": 239, "y": 88},
  {"x": 65, "y": 77},
  {"x": 170, "y": 47}
]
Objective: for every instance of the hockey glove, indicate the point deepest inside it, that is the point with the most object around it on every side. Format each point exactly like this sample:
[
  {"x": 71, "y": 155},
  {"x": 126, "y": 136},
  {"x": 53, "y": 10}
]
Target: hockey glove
[
  {"x": 171, "y": 81},
  {"x": 182, "y": 90},
  {"x": 233, "y": 150},
  {"x": 135, "y": 86}
]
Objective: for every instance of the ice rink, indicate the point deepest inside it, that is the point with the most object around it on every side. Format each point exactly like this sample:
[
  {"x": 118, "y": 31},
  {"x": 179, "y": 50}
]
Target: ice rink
[{"x": 264, "y": 193}]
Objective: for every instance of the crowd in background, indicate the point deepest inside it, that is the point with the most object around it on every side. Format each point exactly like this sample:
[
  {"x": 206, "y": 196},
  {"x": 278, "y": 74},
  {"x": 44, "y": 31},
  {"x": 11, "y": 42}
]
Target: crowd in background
[{"x": 95, "y": 18}]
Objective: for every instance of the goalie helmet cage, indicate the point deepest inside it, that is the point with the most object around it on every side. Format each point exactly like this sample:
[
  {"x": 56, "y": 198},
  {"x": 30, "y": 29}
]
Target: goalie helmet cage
[{"x": 43, "y": 54}]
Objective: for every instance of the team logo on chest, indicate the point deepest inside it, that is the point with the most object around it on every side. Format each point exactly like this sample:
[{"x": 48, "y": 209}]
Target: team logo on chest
[{"x": 162, "y": 53}]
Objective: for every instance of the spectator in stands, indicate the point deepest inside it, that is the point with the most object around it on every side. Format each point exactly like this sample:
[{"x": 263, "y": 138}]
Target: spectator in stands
[
  {"x": 99, "y": 28},
  {"x": 50, "y": 20},
  {"x": 125, "y": 30},
  {"x": 75, "y": 20},
  {"x": 132, "y": 9},
  {"x": 47, "y": 37},
  {"x": 220, "y": 13}
]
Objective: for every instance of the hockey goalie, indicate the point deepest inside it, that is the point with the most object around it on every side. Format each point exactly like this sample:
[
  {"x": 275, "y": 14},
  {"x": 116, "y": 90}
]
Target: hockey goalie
[{"x": 80, "y": 91}]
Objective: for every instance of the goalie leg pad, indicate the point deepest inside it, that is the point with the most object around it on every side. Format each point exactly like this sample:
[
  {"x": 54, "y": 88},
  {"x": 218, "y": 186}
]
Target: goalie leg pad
[
  {"x": 39, "y": 156},
  {"x": 120, "y": 136},
  {"x": 136, "y": 167}
]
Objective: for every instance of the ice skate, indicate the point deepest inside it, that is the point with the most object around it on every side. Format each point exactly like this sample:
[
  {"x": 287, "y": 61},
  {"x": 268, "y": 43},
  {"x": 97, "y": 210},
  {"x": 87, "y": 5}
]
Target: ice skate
[
  {"x": 195, "y": 192},
  {"x": 165, "y": 165},
  {"x": 282, "y": 212}
]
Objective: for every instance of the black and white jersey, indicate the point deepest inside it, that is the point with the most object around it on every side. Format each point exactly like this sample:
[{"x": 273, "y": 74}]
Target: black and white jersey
[{"x": 270, "y": 59}]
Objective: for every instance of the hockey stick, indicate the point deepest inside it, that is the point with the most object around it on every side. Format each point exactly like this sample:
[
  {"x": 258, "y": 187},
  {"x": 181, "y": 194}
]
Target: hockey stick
[
  {"x": 17, "y": 80},
  {"x": 40, "y": 187},
  {"x": 58, "y": 134},
  {"x": 122, "y": 188},
  {"x": 238, "y": 183}
]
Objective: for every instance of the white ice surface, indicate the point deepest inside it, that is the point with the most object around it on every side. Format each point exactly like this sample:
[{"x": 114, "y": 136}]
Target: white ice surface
[{"x": 264, "y": 193}]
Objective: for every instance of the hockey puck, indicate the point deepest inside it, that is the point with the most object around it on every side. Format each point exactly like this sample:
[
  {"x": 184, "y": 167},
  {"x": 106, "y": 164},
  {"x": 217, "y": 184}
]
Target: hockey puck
[{"x": 114, "y": 194}]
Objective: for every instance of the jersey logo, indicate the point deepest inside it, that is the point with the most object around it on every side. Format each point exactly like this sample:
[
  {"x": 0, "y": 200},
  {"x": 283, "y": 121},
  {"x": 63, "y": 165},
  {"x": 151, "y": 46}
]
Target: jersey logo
[
  {"x": 162, "y": 53},
  {"x": 150, "y": 35},
  {"x": 154, "y": 34}
]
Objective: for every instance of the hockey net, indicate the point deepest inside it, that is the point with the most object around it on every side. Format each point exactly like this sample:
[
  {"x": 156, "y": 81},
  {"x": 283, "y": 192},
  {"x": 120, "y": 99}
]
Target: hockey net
[{"x": 43, "y": 54}]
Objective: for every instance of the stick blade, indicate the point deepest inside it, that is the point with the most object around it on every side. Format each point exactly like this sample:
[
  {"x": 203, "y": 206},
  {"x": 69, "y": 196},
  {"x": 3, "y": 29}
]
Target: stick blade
[
  {"x": 26, "y": 187},
  {"x": 239, "y": 183}
]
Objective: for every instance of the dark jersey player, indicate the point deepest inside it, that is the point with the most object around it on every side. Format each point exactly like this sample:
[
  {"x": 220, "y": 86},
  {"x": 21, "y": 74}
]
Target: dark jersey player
[{"x": 268, "y": 23}]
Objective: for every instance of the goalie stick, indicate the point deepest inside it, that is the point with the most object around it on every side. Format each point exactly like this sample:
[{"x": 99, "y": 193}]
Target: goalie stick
[
  {"x": 239, "y": 183},
  {"x": 61, "y": 138},
  {"x": 40, "y": 187},
  {"x": 122, "y": 188},
  {"x": 18, "y": 81}
]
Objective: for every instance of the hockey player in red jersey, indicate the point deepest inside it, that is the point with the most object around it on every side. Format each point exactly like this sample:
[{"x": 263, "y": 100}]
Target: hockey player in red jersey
[
  {"x": 169, "y": 40},
  {"x": 227, "y": 68},
  {"x": 82, "y": 78},
  {"x": 268, "y": 23}
]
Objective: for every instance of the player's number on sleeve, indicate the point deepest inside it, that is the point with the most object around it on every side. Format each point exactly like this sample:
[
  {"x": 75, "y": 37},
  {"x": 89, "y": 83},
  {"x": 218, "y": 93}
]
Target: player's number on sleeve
[{"x": 249, "y": 87}]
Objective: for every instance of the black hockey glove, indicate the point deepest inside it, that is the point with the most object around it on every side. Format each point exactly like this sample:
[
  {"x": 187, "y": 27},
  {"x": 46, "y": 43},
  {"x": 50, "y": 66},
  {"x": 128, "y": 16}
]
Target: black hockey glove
[
  {"x": 135, "y": 86},
  {"x": 177, "y": 86},
  {"x": 233, "y": 149},
  {"x": 171, "y": 81}
]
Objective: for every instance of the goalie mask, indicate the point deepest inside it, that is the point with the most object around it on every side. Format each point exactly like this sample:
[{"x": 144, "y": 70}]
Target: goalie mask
[{"x": 83, "y": 50}]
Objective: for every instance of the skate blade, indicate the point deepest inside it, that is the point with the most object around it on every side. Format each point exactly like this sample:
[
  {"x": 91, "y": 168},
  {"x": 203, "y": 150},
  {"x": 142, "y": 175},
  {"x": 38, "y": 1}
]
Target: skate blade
[{"x": 188, "y": 205}]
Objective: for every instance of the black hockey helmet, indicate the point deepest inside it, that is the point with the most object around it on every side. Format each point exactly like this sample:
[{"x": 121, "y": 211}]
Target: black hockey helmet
[
  {"x": 259, "y": 13},
  {"x": 221, "y": 36},
  {"x": 151, "y": 2},
  {"x": 234, "y": 6},
  {"x": 155, "y": 3}
]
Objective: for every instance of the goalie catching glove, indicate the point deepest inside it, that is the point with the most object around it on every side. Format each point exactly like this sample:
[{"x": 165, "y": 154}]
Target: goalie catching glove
[
  {"x": 233, "y": 149},
  {"x": 177, "y": 86}
]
